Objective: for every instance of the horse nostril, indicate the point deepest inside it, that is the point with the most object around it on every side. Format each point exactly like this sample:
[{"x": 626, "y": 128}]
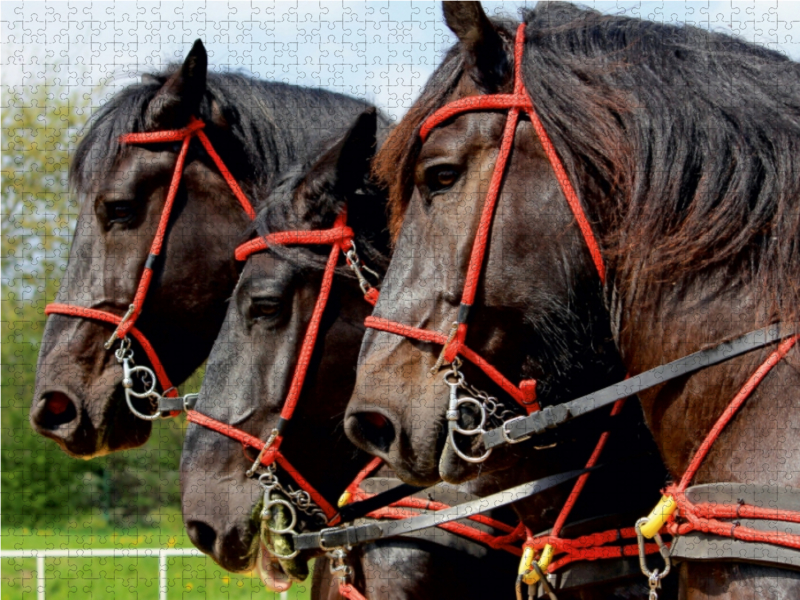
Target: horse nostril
[
  {"x": 376, "y": 419},
  {"x": 57, "y": 409},
  {"x": 202, "y": 535},
  {"x": 376, "y": 429}
]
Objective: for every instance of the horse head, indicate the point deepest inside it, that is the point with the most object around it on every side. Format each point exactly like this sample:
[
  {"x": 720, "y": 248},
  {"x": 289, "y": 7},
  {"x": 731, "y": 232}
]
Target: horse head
[
  {"x": 123, "y": 173},
  {"x": 252, "y": 374}
]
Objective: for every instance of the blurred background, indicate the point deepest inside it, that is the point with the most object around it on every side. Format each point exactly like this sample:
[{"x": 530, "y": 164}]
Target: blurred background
[{"x": 60, "y": 62}]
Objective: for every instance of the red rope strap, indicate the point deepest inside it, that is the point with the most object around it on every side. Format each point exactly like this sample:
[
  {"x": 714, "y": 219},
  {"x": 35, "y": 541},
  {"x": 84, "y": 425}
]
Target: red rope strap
[
  {"x": 704, "y": 517},
  {"x": 589, "y": 547},
  {"x": 99, "y": 315},
  {"x": 350, "y": 592},
  {"x": 525, "y": 394},
  {"x": 268, "y": 458}
]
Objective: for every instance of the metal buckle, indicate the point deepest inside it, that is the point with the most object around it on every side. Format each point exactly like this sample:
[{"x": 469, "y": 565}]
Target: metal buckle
[
  {"x": 505, "y": 432},
  {"x": 322, "y": 533}
]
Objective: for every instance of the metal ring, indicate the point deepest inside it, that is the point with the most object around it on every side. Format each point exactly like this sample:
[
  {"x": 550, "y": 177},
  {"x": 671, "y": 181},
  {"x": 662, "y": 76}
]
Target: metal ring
[
  {"x": 265, "y": 513},
  {"x": 461, "y": 455},
  {"x": 477, "y": 430},
  {"x": 504, "y": 431},
  {"x": 141, "y": 415},
  {"x": 151, "y": 391},
  {"x": 281, "y": 556}
]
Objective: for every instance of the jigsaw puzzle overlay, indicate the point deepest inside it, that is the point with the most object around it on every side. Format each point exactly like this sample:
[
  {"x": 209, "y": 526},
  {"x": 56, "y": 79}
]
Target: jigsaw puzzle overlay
[{"x": 61, "y": 64}]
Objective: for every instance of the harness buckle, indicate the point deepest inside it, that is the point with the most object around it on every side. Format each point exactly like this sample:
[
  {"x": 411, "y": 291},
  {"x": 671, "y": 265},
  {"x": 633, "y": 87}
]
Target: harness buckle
[{"x": 504, "y": 429}]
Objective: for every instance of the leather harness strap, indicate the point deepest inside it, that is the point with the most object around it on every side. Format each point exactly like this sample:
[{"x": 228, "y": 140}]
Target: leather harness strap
[
  {"x": 552, "y": 416},
  {"x": 351, "y": 536}
]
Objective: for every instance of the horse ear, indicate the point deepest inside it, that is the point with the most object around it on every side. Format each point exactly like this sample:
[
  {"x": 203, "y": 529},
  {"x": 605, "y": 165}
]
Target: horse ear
[
  {"x": 487, "y": 62},
  {"x": 343, "y": 171},
  {"x": 355, "y": 152},
  {"x": 179, "y": 98}
]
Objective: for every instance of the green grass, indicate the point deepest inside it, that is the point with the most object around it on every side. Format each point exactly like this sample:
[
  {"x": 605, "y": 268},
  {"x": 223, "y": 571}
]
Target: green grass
[{"x": 189, "y": 578}]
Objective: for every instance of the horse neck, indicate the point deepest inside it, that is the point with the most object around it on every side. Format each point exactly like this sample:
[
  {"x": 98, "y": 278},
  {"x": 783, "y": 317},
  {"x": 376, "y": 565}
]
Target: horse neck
[{"x": 690, "y": 317}]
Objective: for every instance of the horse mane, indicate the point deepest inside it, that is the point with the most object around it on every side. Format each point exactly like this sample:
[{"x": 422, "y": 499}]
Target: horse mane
[
  {"x": 246, "y": 104},
  {"x": 682, "y": 144},
  {"x": 279, "y": 213}
]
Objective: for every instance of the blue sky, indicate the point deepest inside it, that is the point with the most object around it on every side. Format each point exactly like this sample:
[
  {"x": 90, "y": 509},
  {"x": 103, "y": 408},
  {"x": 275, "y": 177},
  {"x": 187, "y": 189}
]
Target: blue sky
[{"x": 383, "y": 51}]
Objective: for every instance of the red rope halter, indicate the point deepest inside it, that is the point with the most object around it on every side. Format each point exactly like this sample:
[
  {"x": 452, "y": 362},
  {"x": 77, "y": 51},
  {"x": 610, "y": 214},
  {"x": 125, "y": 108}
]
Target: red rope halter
[
  {"x": 126, "y": 324},
  {"x": 340, "y": 238}
]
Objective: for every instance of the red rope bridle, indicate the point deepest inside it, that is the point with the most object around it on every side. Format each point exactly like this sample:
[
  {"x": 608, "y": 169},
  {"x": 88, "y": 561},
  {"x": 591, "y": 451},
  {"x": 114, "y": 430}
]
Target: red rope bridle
[
  {"x": 125, "y": 324},
  {"x": 455, "y": 343},
  {"x": 340, "y": 238}
]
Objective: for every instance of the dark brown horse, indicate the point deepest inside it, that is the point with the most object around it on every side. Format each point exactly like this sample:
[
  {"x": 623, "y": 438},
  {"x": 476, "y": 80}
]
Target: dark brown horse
[
  {"x": 249, "y": 375},
  {"x": 681, "y": 145},
  {"x": 79, "y": 400}
]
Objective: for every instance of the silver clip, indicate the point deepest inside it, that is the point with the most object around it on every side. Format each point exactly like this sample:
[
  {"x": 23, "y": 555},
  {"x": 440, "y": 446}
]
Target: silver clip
[
  {"x": 654, "y": 577},
  {"x": 113, "y": 337}
]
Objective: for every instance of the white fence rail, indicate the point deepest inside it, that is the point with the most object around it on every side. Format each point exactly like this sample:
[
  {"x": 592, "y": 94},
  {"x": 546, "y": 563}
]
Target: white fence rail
[{"x": 161, "y": 553}]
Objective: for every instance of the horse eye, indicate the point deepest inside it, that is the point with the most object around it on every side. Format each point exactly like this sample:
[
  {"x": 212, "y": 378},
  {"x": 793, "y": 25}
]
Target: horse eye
[
  {"x": 264, "y": 308},
  {"x": 440, "y": 178},
  {"x": 120, "y": 211}
]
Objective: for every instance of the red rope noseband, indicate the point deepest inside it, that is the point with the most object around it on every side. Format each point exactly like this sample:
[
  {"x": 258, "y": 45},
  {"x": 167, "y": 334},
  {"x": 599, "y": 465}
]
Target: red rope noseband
[{"x": 126, "y": 325}]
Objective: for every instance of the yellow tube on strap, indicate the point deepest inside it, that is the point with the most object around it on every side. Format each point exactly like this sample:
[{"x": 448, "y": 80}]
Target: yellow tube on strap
[
  {"x": 658, "y": 516},
  {"x": 529, "y": 575},
  {"x": 344, "y": 499}
]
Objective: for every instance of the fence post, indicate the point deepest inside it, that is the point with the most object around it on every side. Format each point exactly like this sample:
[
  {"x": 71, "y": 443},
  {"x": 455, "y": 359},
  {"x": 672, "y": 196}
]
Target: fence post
[
  {"x": 162, "y": 574},
  {"x": 39, "y": 576}
]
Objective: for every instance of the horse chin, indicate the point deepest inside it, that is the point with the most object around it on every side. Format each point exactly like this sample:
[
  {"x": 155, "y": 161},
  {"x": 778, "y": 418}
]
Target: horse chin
[
  {"x": 453, "y": 469},
  {"x": 271, "y": 571}
]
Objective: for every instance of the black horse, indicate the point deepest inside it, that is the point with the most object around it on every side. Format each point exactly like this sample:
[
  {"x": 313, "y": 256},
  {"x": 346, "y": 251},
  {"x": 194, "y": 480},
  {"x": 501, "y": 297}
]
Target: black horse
[
  {"x": 258, "y": 129},
  {"x": 682, "y": 148},
  {"x": 250, "y": 373}
]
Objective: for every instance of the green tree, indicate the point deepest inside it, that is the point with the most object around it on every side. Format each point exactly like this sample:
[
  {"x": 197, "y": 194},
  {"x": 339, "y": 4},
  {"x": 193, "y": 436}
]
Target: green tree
[{"x": 41, "y": 485}]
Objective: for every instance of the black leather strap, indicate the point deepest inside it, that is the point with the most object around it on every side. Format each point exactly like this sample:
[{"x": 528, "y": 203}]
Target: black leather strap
[
  {"x": 553, "y": 416},
  {"x": 179, "y": 403},
  {"x": 370, "y": 532}
]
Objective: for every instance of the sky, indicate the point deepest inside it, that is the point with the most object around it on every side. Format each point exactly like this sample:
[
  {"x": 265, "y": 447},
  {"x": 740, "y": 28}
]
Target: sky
[{"x": 381, "y": 51}]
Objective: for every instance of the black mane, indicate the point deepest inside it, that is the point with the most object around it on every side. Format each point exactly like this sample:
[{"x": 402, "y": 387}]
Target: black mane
[
  {"x": 260, "y": 146},
  {"x": 682, "y": 143}
]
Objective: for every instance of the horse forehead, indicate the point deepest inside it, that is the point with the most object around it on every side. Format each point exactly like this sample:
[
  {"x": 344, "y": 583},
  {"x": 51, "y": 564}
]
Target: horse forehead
[{"x": 134, "y": 165}]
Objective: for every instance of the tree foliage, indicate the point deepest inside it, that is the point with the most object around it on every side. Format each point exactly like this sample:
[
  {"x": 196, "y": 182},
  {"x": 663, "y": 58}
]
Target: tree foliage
[{"x": 42, "y": 486}]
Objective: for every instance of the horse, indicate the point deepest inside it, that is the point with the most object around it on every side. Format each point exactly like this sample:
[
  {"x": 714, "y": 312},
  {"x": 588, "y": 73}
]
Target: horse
[
  {"x": 122, "y": 171},
  {"x": 647, "y": 209},
  {"x": 253, "y": 370}
]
